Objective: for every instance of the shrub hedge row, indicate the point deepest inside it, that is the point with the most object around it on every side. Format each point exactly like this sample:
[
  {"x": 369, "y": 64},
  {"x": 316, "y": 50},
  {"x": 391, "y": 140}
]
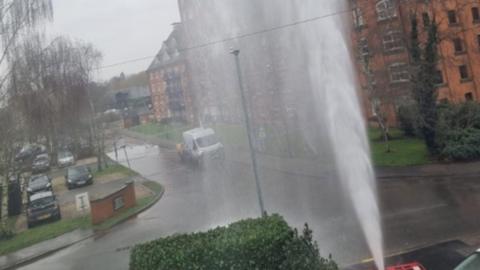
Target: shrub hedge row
[{"x": 264, "y": 243}]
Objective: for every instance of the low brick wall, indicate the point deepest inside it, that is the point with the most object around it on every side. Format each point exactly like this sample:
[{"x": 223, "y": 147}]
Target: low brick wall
[{"x": 113, "y": 204}]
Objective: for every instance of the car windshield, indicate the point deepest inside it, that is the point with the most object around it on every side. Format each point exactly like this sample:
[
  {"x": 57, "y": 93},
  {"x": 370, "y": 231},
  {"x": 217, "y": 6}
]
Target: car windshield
[
  {"x": 41, "y": 159},
  {"x": 39, "y": 180},
  {"x": 206, "y": 141},
  {"x": 41, "y": 202},
  {"x": 62, "y": 155},
  {"x": 26, "y": 149},
  {"x": 78, "y": 171}
]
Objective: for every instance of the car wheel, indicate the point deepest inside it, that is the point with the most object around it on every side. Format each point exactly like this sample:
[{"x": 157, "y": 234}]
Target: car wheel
[
  {"x": 30, "y": 225},
  {"x": 69, "y": 187}
]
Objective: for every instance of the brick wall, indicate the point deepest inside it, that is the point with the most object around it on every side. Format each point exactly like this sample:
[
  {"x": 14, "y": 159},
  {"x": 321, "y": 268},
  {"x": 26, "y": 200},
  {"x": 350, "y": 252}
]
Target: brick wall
[{"x": 113, "y": 204}]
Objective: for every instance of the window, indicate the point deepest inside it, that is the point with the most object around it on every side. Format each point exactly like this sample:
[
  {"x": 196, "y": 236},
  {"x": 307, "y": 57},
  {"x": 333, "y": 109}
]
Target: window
[
  {"x": 476, "y": 15},
  {"x": 385, "y": 9},
  {"x": 469, "y": 96},
  {"x": 438, "y": 79},
  {"x": 463, "y": 70},
  {"x": 399, "y": 72},
  {"x": 426, "y": 19},
  {"x": 363, "y": 47},
  {"x": 393, "y": 41},
  {"x": 478, "y": 40},
  {"x": 452, "y": 17},
  {"x": 118, "y": 203},
  {"x": 358, "y": 19},
  {"x": 458, "y": 45}
]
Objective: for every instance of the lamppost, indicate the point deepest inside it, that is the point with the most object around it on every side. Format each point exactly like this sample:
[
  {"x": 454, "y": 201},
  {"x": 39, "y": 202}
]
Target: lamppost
[
  {"x": 126, "y": 155},
  {"x": 253, "y": 155}
]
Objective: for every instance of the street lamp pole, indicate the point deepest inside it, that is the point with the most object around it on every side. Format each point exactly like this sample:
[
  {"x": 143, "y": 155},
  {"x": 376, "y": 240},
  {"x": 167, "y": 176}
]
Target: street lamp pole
[
  {"x": 126, "y": 156},
  {"x": 253, "y": 155}
]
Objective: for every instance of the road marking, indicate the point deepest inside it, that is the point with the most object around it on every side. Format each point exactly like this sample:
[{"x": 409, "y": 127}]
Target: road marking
[
  {"x": 367, "y": 260},
  {"x": 411, "y": 211}
]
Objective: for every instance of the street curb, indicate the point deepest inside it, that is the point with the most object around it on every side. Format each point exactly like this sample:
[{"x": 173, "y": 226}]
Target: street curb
[
  {"x": 149, "y": 139},
  {"x": 30, "y": 259},
  {"x": 94, "y": 233},
  {"x": 421, "y": 176}
]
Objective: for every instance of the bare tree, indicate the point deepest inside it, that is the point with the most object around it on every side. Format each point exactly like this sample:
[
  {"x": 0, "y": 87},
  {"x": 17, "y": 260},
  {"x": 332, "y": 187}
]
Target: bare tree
[
  {"x": 18, "y": 18},
  {"x": 50, "y": 87},
  {"x": 7, "y": 152}
]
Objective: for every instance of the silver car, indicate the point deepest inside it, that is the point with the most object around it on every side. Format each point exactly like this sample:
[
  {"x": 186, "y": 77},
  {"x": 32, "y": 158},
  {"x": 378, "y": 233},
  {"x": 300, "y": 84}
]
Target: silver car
[{"x": 65, "y": 159}]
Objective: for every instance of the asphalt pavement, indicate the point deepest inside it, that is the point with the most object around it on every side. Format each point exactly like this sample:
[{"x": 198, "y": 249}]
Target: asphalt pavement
[{"x": 416, "y": 212}]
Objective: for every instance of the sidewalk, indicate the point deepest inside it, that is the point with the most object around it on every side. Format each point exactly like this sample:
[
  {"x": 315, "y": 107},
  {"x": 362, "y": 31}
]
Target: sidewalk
[
  {"x": 23, "y": 256},
  {"x": 430, "y": 170}
]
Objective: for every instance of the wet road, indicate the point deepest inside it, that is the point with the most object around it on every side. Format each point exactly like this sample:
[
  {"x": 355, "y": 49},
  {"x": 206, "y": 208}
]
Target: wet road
[{"x": 415, "y": 211}]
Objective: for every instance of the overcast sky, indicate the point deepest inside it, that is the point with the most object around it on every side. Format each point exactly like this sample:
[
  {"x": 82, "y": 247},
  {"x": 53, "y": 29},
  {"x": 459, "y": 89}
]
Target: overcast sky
[{"x": 120, "y": 29}]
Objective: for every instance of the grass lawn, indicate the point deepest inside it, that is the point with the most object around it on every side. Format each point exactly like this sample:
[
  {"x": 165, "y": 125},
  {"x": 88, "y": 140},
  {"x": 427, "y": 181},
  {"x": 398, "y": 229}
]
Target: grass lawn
[
  {"x": 117, "y": 168},
  {"x": 404, "y": 151},
  {"x": 171, "y": 132},
  {"x": 276, "y": 142},
  {"x": 154, "y": 186},
  {"x": 42, "y": 233}
]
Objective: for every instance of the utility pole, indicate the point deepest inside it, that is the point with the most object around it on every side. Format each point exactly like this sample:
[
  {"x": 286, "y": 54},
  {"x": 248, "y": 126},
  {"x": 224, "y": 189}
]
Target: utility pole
[
  {"x": 126, "y": 156},
  {"x": 253, "y": 155}
]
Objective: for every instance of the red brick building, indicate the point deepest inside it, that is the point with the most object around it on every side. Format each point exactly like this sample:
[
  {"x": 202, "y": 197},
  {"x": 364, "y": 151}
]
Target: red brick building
[
  {"x": 381, "y": 34},
  {"x": 168, "y": 76}
]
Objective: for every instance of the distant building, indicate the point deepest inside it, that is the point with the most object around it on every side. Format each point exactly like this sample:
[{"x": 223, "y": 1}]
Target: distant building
[
  {"x": 135, "y": 103},
  {"x": 382, "y": 33},
  {"x": 169, "y": 79}
]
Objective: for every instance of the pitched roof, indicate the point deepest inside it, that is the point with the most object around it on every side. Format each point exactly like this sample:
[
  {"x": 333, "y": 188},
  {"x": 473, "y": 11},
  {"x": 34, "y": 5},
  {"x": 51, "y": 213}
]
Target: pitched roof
[{"x": 170, "y": 51}]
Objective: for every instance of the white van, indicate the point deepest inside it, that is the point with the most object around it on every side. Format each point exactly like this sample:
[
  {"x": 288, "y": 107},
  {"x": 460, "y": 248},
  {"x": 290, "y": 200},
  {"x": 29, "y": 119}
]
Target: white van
[{"x": 200, "y": 145}]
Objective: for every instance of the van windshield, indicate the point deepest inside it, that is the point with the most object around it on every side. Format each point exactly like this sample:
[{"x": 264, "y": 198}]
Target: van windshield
[{"x": 207, "y": 141}]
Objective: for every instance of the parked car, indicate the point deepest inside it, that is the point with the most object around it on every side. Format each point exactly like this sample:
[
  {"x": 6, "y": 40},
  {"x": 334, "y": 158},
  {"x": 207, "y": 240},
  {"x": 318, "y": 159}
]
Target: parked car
[
  {"x": 41, "y": 163},
  {"x": 472, "y": 262},
  {"x": 39, "y": 183},
  {"x": 42, "y": 206},
  {"x": 30, "y": 151},
  {"x": 200, "y": 145},
  {"x": 65, "y": 159},
  {"x": 78, "y": 176}
]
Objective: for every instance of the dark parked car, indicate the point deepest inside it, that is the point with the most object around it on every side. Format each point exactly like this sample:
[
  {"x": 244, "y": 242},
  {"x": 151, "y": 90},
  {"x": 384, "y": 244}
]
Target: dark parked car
[
  {"x": 39, "y": 183},
  {"x": 29, "y": 151},
  {"x": 78, "y": 176},
  {"x": 42, "y": 206},
  {"x": 41, "y": 163}
]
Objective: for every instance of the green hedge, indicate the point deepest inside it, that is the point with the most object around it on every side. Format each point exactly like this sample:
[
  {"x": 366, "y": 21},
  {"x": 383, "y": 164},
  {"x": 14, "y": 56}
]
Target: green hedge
[
  {"x": 265, "y": 243},
  {"x": 462, "y": 144},
  {"x": 458, "y": 131}
]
